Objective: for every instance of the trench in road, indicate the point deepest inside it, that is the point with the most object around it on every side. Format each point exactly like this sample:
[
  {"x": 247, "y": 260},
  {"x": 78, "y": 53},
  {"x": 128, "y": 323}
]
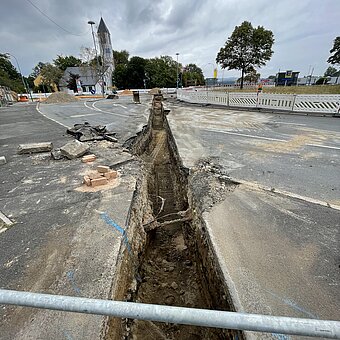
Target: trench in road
[{"x": 174, "y": 265}]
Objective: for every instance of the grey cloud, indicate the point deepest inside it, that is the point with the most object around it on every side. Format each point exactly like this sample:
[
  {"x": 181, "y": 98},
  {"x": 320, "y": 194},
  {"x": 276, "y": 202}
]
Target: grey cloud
[{"x": 303, "y": 30}]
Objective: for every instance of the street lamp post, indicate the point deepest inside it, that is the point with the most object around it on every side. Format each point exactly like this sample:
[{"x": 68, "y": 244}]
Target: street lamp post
[
  {"x": 90, "y": 22},
  {"x": 22, "y": 77},
  {"x": 177, "y": 54}
]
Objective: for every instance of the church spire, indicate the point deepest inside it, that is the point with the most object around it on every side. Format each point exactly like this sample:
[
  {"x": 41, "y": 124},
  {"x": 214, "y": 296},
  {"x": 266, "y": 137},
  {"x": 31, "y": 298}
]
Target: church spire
[{"x": 102, "y": 27}]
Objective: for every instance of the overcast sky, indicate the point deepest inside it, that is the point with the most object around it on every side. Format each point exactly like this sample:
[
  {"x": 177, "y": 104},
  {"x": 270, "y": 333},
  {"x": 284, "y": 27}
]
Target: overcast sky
[{"x": 304, "y": 30}]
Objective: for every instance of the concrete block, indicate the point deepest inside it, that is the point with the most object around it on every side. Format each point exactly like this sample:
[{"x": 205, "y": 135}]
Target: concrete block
[
  {"x": 34, "y": 148},
  {"x": 111, "y": 174},
  {"x": 88, "y": 158},
  {"x": 2, "y": 160},
  {"x": 99, "y": 181},
  {"x": 103, "y": 168},
  {"x": 87, "y": 180},
  {"x": 74, "y": 149},
  {"x": 95, "y": 175}
]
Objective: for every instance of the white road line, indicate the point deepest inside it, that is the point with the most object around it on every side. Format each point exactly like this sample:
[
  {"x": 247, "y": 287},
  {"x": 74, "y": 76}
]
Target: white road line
[
  {"x": 84, "y": 115},
  {"x": 93, "y": 107},
  {"x": 272, "y": 139},
  {"x": 53, "y": 120},
  {"x": 324, "y": 146},
  {"x": 290, "y": 123},
  {"x": 257, "y": 186},
  {"x": 245, "y": 135},
  {"x": 120, "y": 105}
]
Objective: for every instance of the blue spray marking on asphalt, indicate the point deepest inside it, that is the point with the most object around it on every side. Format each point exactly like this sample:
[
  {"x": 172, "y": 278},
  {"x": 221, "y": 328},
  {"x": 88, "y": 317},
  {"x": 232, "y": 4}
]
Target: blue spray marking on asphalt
[
  {"x": 281, "y": 336},
  {"x": 70, "y": 276},
  {"x": 67, "y": 335},
  {"x": 294, "y": 305},
  {"x": 105, "y": 217}
]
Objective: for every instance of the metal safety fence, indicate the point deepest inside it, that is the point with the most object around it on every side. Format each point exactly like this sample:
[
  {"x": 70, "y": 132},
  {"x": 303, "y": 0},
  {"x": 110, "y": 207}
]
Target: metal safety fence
[
  {"x": 177, "y": 315},
  {"x": 327, "y": 104}
]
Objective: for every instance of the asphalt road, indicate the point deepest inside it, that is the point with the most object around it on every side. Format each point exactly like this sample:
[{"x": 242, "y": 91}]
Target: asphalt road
[
  {"x": 59, "y": 242},
  {"x": 298, "y": 154},
  {"x": 119, "y": 115}
]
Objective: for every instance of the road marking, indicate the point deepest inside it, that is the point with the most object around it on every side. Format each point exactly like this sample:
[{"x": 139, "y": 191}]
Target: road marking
[
  {"x": 290, "y": 124},
  {"x": 272, "y": 139},
  {"x": 324, "y": 146},
  {"x": 53, "y": 120},
  {"x": 120, "y": 105},
  {"x": 84, "y": 115},
  {"x": 93, "y": 107},
  {"x": 246, "y": 135},
  {"x": 257, "y": 186}
]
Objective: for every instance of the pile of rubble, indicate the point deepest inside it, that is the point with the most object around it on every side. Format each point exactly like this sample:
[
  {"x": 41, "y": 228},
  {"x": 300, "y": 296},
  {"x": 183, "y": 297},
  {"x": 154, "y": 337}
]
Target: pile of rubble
[
  {"x": 86, "y": 133},
  {"x": 101, "y": 177}
]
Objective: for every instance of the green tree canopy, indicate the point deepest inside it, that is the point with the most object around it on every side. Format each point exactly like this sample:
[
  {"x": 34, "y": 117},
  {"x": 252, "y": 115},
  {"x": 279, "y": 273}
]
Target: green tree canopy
[
  {"x": 161, "y": 72},
  {"x": 9, "y": 76},
  {"x": 51, "y": 74},
  {"x": 68, "y": 61},
  {"x": 331, "y": 71},
  {"x": 192, "y": 75},
  {"x": 248, "y": 47},
  {"x": 335, "y": 57},
  {"x": 135, "y": 73},
  {"x": 120, "y": 57}
]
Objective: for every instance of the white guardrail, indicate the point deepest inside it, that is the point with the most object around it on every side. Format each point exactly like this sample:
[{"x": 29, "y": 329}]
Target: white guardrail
[{"x": 329, "y": 104}]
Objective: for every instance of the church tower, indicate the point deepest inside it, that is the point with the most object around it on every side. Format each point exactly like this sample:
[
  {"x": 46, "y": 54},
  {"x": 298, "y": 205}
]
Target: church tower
[{"x": 106, "y": 54}]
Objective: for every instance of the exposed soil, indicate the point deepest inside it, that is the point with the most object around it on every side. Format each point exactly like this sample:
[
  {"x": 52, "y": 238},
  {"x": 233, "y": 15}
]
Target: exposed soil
[{"x": 171, "y": 270}]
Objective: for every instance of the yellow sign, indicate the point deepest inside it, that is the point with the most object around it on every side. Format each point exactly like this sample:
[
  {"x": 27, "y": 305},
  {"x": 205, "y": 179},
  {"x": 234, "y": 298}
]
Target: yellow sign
[{"x": 215, "y": 73}]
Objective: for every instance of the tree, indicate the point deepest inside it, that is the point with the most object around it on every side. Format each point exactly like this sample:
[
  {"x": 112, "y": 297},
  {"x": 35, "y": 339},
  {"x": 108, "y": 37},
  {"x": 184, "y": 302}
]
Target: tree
[
  {"x": 51, "y": 74},
  {"x": 252, "y": 76},
  {"x": 37, "y": 69},
  {"x": 161, "y": 72},
  {"x": 246, "y": 48},
  {"x": 335, "y": 58},
  {"x": 330, "y": 72},
  {"x": 192, "y": 75},
  {"x": 9, "y": 76},
  {"x": 119, "y": 77},
  {"x": 135, "y": 73},
  {"x": 68, "y": 61},
  {"x": 120, "y": 57}
]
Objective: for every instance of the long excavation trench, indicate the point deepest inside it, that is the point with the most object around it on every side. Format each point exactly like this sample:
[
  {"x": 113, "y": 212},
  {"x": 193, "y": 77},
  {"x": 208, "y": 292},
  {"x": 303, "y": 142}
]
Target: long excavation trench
[{"x": 175, "y": 266}]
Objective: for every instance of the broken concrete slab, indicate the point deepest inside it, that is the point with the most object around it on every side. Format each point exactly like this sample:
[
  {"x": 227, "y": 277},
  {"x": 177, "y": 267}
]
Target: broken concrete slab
[
  {"x": 34, "y": 148},
  {"x": 74, "y": 149},
  {"x": 57, "y": 155},
  {"x": 103, "y": 168},
  {"x": 86, "y": 132},
  {"x": 2, "y": 160}
]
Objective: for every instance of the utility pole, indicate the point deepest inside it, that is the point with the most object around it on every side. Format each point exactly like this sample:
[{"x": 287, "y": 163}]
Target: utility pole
[
  {"x": 22, "y": 77},
  {"x": 177, "y": 54},
  {"x": 95, "y": 48}
]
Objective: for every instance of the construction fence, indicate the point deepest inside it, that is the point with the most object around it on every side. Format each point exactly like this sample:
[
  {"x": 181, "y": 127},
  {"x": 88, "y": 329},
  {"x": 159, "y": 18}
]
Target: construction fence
[{"x": 309, "y": 103}]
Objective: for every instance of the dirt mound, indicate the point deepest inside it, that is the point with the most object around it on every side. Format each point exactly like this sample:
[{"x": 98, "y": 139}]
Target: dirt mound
[
  {"x": 60, "y": 97},
  {"x": 125, "y": 92}
]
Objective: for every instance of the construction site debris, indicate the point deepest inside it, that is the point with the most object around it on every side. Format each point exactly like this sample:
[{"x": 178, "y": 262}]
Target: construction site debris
[
  {"x": 2, "y": 160},
  {"x": 103, "y": 168},
  {"x": 88, "y": 158},
  {"x": 74, "y": 149},
  {"x": 57, "y": 155},
  {"x": 95, "y": 179},
  {"x": 60, "y": 97},
  {"x": 86, "y": 132},
  {"x": 34, "y": 148}
]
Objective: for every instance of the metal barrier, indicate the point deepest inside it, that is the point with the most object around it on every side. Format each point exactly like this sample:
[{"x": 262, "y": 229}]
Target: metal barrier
[
  {"x": 329, "y": 104},
  {"x": 178, "y": 315}
]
